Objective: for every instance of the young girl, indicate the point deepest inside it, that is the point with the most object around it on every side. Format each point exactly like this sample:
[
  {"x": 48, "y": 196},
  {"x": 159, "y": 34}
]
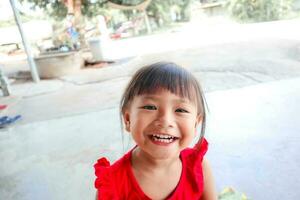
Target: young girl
[{"x": 162, "y": 107}]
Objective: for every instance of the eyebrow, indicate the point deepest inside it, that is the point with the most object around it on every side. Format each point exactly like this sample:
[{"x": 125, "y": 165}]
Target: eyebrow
[{"x": 154, "y": 98}]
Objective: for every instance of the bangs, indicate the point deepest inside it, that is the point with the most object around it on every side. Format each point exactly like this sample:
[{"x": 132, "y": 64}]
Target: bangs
[
  {"x": 169, "y": 76},
  {"x": 174, "y": 79}
]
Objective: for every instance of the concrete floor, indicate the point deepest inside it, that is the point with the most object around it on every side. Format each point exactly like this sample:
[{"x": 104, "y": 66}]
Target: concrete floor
[
  {"x": 254, "y": 139},
  {"x": 252, "y": 85}
]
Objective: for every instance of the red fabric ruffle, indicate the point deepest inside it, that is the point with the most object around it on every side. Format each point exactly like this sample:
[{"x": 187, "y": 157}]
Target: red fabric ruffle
[
  {"x": 194, "y": 159},
  {"x": 117, "y": 181},
  {"x": 103, "y": 181}
]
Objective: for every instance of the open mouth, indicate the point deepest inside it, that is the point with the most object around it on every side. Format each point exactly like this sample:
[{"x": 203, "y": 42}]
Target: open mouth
[{"x": 166, "y": 139}]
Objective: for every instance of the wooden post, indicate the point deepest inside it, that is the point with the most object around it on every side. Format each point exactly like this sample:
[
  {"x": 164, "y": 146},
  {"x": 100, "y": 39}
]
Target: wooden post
[
  {"x": 70, "y": 6},
  {"x": 149, "y": 30},
  {"x": 4, "y": 84},
  {"x": 31, "y": 62}
]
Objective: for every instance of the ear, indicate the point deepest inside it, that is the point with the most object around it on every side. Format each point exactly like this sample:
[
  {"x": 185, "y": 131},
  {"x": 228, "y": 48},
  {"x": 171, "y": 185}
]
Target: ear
[
  {"x": 126, "y": 118},
  {"x": 197, "y": 123},
  {"x": 199, "y": 119}
]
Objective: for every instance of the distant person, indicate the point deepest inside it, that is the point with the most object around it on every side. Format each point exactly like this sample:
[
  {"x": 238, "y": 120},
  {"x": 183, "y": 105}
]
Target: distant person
[{"x": 162, "y": 107}]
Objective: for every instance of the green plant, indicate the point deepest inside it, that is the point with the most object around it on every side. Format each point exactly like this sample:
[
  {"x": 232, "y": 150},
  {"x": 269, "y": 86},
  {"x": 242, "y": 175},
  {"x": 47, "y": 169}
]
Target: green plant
[
  {"x": 259, "y": 10},
  {"x": 230, "y": 194},
  {"x": 161, "y": 11}
]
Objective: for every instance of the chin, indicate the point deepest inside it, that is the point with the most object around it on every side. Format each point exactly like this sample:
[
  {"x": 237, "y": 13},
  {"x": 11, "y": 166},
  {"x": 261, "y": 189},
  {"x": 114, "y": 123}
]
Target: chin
[{"x": 165, "y": 154}]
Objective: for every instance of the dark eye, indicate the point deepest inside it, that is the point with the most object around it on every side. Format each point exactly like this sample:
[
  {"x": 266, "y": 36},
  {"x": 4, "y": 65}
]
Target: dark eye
[
  {"x": 181, "y": 110},
  {"x": 149, "y": 107}
]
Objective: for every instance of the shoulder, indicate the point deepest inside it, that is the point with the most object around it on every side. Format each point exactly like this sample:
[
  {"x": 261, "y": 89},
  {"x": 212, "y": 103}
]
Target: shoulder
[
  {"x": 196, "y": 153},
  {"x": 209, "y": 191},
  {"x": 103, "y": 168},
  {"x": 103, "y": 182},
  {"x": 192, "y": 164}
]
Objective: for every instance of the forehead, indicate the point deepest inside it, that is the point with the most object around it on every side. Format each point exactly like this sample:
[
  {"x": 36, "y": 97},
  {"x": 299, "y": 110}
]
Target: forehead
[{"x": 163, "y": 94}]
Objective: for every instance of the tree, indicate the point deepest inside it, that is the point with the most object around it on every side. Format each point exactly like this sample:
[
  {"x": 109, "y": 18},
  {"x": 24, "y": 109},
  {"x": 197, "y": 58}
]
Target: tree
[
  {"x": 59, "y": 9},
  {"x": 259, "y": 10}
]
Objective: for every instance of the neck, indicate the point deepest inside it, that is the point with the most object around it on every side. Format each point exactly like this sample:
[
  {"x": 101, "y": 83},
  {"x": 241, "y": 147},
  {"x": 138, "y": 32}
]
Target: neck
[{"x": 142, "y": 160}]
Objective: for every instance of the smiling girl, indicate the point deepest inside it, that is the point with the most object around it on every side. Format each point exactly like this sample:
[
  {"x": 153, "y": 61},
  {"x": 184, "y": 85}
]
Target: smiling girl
[{"x": 161, "y": 108}]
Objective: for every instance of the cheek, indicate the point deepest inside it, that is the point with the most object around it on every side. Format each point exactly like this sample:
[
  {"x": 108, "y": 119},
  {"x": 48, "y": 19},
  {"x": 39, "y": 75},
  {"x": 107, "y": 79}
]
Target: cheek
[
  {"x": 137, "y": 122},
  {"x": 194, "y": 128},
  {"x": 189, "y": 127}
]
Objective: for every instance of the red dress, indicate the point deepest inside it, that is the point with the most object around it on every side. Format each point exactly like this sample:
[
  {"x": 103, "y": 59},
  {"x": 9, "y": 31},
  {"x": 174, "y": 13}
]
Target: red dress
[{"x": 118, "y": 182}]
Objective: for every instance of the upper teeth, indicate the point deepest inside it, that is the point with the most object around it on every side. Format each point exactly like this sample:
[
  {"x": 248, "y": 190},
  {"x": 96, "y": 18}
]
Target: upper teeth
[{"x": 163, "y": 136}]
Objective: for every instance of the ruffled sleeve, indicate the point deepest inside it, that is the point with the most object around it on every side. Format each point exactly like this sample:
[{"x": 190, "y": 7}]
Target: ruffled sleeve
[
  {"x": 103, "y": 182},
  {"x": 194, "y": 165},
  {"x": 201, "y": 148}
]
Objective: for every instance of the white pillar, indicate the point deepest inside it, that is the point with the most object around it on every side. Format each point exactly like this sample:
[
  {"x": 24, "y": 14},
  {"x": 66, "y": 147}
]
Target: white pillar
[{"x": 31, "y": 62}]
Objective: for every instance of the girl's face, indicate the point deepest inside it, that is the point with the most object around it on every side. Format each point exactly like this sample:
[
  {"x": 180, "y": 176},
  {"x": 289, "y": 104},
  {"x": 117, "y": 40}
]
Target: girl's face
[{"x": 161, "y": 124}]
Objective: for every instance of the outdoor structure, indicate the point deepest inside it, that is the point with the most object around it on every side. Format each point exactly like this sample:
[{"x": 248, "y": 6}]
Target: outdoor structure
[
  {"x": 140, "y": 7},
  {"x": 4, "y": 85},
  {"x": 213, "y": 8},
  {"x": 33, "y": 69},
  {"x": 54, "y": 65}
]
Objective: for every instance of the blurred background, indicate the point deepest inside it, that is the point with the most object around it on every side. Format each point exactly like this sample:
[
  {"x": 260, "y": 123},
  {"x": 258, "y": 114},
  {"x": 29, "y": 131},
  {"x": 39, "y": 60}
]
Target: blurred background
[{"x": 65, "y": 63}]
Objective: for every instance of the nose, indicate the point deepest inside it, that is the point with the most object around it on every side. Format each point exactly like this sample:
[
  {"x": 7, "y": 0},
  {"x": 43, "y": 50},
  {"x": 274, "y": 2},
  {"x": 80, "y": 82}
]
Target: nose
[{"x": 164, "y": 119}]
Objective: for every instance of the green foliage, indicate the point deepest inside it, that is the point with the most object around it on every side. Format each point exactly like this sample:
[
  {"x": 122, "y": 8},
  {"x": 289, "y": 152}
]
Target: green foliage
[
  {"x": 259, "y": 10},
  {"x": 53, "y": 8},
  {"x": 161, "y": 10},
  {"x": 58, "y": 10},
  {"x": 90, "y": 10},
  {"x": 127, "y": 2},
  {"x": 230, "y": 194}
]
